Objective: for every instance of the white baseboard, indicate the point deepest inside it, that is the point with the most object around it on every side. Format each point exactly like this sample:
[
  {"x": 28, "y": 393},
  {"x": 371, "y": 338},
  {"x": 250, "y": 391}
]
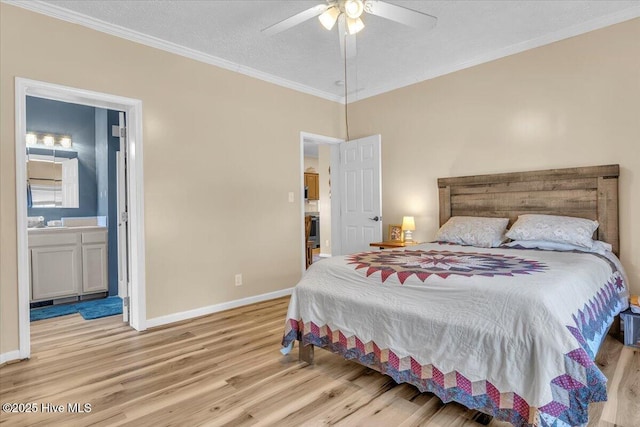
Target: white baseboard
[
  {"x": 203, "y": 311},
  {"x": 325, "y": 255},
  {"x": 9, "y": 356}
]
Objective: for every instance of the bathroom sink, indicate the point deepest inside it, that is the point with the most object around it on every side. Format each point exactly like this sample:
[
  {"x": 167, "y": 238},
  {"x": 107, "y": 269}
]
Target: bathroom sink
[{"x": 48, "y": 227}]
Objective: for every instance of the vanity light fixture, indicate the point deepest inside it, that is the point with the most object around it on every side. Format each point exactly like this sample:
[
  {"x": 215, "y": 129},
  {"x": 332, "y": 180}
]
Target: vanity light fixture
[
  {"x": 49, "y": 140},
  {"x": 408, "y": 225}
]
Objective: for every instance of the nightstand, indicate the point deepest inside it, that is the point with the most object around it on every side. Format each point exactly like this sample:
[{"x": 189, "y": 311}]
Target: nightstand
[
  {"x": 392, "y": 244},
  {"x": 631, "y": 324}
]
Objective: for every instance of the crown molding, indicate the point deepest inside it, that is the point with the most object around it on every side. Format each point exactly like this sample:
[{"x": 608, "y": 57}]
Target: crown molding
[
  {"x": 151, "y": 41},
  {"x": 118, "y": 31},
  {"x": 565, "y": 33}
]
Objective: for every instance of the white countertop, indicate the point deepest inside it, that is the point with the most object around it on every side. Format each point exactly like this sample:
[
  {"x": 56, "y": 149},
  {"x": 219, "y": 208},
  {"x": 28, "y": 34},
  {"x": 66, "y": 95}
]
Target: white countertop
[{"x": 40, "y": 230}]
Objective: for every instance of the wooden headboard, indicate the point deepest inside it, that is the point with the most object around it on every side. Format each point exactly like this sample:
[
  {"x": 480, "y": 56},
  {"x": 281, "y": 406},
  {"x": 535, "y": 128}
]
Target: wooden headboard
[{"x": 586, "y": 192}]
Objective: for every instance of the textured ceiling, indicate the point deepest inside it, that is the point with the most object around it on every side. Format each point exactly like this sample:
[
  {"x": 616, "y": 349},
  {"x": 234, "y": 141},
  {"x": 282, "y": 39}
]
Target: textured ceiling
[{"x": 307, "y": 57}]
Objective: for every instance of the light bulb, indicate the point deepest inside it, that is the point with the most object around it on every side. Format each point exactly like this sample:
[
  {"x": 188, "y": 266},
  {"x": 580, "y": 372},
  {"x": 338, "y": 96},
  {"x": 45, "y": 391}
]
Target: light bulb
[
  {"x": 31, "y": 139},
  {"x": 65, "y": 142},
  {"x": 353, "y": 8},
  {"x": 48, "y": 141}
]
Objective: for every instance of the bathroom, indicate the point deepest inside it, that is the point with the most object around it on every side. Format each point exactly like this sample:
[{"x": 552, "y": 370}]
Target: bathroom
[{"x": 78, "y": 202}]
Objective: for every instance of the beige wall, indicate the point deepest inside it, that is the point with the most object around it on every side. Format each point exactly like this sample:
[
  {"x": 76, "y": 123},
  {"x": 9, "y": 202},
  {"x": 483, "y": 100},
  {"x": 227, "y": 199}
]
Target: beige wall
[
  {"x": 216, "y": 145},
  {"x": 571, "y": 103}
]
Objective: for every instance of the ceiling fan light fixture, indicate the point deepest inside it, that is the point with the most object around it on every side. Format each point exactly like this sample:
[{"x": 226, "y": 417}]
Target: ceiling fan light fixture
[
  {"x": 353, "y": 8},
  {"x": 329, "y": 17},
  {"x": 354, "y": 25}
]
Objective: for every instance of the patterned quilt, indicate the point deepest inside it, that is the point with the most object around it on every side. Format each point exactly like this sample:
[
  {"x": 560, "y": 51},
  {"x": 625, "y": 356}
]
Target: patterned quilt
[{"x": 510, "y": 332}]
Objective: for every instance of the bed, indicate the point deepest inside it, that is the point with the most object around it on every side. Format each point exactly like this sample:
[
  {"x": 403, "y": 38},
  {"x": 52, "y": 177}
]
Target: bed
[{"x": 510, "y": 331}]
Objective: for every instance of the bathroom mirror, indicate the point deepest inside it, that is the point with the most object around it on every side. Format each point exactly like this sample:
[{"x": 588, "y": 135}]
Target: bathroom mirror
[{"x": 52, "y": 178}]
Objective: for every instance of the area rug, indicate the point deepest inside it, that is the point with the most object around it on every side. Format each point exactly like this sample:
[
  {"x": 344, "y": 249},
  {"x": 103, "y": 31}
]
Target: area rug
[
  {"x": 100, "y": 308},
  {"x": 92, "y": 309}
]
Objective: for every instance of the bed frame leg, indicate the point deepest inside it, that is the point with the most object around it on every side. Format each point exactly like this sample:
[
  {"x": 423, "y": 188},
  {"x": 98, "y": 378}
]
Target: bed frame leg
[{"x": 305, "y": 353}]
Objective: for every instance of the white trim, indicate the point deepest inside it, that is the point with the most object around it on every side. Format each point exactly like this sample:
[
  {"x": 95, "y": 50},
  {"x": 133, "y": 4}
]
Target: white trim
[
  {"x": 203, "y": 311},
  {"x": 24, "y": 329},
  {"x": 9, "y": 356},
  {"x": 137, "y": 37},
  {"x": 125, "y": 33},
  {"x": 133, "y": 109},
  {"x": 135, "y": 193}
]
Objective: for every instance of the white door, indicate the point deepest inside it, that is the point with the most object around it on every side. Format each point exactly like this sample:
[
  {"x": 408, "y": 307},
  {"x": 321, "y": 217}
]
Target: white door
[
  {"x": 124, "y": 283},
  {"x": 360, "y": 194}
]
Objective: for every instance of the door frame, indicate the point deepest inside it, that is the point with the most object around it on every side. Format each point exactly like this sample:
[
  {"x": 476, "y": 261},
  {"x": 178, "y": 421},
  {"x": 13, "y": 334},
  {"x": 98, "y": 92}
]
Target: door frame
[
  {"x": 335, "y": 190},
  {"x": 135, "y": 185}
]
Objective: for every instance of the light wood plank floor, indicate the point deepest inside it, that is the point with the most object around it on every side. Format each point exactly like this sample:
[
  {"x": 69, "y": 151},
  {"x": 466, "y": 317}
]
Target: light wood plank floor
[{"x": 225, "y": 369}]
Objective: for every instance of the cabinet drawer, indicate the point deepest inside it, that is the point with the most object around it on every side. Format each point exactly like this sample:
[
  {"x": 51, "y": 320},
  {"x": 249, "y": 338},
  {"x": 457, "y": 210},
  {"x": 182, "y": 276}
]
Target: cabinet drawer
[
  {"x": 94, "y": 237},
  {"x": 53, "y": 239}
]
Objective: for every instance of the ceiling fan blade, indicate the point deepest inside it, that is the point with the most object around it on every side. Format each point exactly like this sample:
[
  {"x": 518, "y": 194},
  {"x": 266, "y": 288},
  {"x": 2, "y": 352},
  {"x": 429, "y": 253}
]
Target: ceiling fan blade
[
  {"x": 400, "y": 14},
  {"x": 294, "y": 20},
  {"x": 346, "y": 38}
]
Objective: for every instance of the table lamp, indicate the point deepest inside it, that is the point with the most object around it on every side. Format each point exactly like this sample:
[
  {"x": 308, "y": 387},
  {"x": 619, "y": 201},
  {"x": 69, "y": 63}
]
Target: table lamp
[{"x": 408, "y": 225}]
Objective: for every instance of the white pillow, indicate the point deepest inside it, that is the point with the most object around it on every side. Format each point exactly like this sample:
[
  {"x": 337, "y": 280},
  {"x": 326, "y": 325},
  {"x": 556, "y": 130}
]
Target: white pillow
[
  {"x": 598, "y": 246},
  {"x": 474, "y": 231},
  {"x": 554, "y": 228}
]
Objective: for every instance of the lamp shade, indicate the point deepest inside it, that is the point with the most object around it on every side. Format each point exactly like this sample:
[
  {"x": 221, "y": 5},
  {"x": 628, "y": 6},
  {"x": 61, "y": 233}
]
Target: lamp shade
[
  {"x": 354, "y": 25},
  {"x": 408, "y": 223},
  {"x": 329, "y": 17}
]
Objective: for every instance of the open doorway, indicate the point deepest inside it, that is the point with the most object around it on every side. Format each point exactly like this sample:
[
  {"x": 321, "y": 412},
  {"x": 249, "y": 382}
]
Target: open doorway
[
  {"x": 88, "y": 245},
  {"x": 316, "y": 164},
  {"x": 72, "y": 194},
  {"x": 350, "y": 213}
]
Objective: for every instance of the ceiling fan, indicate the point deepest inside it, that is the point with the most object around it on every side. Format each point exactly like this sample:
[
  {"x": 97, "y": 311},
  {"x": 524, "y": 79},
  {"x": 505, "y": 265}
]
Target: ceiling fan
[{"x": 348, "y": 15}]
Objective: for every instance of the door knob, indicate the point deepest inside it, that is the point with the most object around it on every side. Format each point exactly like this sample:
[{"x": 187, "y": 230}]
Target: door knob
[{"x": 376, "y": 218}]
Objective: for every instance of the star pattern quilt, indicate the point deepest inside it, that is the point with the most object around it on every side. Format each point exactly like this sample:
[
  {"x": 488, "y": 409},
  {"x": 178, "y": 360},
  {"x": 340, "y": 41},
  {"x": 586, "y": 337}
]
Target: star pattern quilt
[{"x": 510, "y": 332}]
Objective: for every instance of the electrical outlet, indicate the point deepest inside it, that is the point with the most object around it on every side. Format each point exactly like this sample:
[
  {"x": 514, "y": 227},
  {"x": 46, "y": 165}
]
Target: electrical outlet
[
  {"x": 326, "y": 243},
  {"x": 238, "y": 279},
  {"x": 291, "y": 199}
]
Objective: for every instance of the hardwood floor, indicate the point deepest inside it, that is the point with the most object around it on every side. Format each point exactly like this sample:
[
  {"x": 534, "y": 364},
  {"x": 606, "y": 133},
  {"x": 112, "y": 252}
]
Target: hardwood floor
[{"x": 225, "y": 369}]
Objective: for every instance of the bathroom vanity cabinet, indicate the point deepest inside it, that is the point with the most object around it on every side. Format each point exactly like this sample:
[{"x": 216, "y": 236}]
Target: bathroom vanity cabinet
[{"x": 67, "y": 262}]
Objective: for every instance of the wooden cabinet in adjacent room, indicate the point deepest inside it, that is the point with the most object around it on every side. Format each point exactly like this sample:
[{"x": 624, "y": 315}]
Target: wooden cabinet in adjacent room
[
  {"x": 312, "y": 184},
  {"x": 68, "y": 262}
]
